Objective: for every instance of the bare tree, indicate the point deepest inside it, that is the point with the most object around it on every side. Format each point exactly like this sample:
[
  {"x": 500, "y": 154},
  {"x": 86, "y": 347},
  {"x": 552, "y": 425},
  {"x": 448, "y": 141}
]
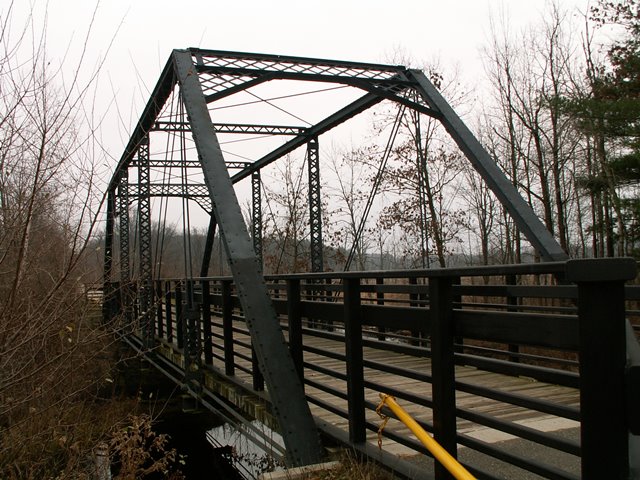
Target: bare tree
[
  {"x": 535, "y": 141},
  {"x": 55, "y": 359},
  {"x": 352, "y": 173},
  {"x": 422, "y": 180},
  {"x": 287, "y": 226}
]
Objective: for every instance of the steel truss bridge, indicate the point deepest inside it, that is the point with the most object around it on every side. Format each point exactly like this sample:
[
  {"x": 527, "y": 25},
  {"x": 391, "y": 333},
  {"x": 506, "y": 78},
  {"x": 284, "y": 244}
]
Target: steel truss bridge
[{"x": 307, "y": 353}]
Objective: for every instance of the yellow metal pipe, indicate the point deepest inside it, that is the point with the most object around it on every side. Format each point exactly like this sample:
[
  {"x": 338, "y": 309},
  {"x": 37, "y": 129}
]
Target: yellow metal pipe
[{"x": 439, "y": 453}]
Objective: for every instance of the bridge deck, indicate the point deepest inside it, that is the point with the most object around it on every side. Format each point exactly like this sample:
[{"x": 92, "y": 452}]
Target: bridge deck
[{"x": 503, "y": 411}]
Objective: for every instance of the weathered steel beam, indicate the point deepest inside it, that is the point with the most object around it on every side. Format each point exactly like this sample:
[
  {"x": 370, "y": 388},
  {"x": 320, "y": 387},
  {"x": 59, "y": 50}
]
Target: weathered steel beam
[
  {"x": 183, "y": 190},
  {"x": 521, "y": 212},
  {"x": 123, "y": 195},
  {"x": 278, "y": 63},
  {"x": 256, "y": 215},
  {"x": 285, "y": 389},
  {"x": 360, "y": 105},
  {"x": 164, "y": 126},
  {"x": 144, "y": 242},
  {"x": 315, "y": 206},
  {"x": 184, "y": 163}
]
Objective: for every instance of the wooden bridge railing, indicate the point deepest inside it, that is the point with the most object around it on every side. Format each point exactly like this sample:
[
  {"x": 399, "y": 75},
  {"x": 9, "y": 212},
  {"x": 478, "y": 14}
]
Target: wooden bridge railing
[{"x": 409, "y": 334}]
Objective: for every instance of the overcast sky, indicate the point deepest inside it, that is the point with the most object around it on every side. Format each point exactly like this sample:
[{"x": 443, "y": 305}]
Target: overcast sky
[
  {"x": 134, "y": 38},
  {"x": 145, "y": 31}
]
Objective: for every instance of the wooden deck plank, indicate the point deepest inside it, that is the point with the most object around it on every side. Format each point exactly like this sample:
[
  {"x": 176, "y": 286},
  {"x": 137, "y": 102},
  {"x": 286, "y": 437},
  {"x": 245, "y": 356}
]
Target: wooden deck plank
[{"x": 421, "y": 365}]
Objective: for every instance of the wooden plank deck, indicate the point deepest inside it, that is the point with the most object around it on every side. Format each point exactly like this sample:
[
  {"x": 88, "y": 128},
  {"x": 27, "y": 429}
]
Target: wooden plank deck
[{"x": 502, "y": 411}]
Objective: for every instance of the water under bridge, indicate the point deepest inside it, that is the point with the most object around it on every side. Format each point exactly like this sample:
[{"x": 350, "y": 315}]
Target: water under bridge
[{"x": 480, "y": 356}]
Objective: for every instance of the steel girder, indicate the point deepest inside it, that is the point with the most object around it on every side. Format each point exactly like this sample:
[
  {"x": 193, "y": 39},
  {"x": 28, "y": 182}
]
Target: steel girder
[
  {"x": 193, "y": 191},
  {"x": 207, "y": 76},
  {"x": 165, "y": 126},
  {"x": 224, "y": 73},
  {"x": 144, "y": 242},
  {"x": 285, "y": 389},
  {"x": 256, "y": 215},
  {"x": 315, "y": 206},
  {"x": 522, "y": 213},
  {"x": 123, "y": 209}
]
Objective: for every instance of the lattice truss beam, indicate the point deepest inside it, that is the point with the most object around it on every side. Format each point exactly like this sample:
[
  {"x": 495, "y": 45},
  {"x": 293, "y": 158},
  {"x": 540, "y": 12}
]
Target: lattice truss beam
[
  {"x": 229, "y": 81},
  {"x": 181, "y": 150}
]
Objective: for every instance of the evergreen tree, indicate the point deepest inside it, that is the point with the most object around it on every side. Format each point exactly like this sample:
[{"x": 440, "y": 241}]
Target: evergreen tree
[{"x": 610, "y": 116}]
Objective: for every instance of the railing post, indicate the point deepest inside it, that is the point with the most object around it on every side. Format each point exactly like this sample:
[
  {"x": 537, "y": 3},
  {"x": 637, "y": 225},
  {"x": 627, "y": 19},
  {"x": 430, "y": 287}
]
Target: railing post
[
  {"x": 328, "y": 297},
  {"x": 227, "y": 328},
  {"x": 380, "y": 301},
  {"x": 604, "y": 429},
  {"x": 413, "y": 302},
  {"x": 443, "y": 367},
  {"x": 168, "y": 311},
  {"x": 355, "y": 369},
  {"x": 294, "y": 315},
  {"x": 206, "y": 322},
  {"x": 192, "y": 351},
  {"x": 512, "y": 303},
  {"x": 158, "y": 297},
  {"x": 179, "y": 316},
  {"x": 458, "y": 341}
]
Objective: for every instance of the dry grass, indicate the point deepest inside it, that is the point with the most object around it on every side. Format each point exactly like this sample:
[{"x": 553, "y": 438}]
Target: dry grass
[{"x": 351, "y": 468}]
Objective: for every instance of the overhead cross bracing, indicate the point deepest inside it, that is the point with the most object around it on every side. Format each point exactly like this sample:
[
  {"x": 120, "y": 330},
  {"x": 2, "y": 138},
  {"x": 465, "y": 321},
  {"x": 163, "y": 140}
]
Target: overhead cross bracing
[{"x": 177, "y": 151}]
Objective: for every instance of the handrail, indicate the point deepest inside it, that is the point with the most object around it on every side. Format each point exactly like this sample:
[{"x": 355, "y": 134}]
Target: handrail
[
  {"x": 439, "y": 453},
  {"x": 471, "y": 271},
  {"x": 368, "y": 312}
]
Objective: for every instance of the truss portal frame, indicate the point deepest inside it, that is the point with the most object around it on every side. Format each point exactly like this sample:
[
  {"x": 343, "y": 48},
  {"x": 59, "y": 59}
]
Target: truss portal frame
[{"x": 202, "y": 77}]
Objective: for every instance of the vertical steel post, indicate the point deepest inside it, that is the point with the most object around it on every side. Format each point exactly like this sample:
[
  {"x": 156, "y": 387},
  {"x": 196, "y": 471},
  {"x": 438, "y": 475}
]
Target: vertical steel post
[
  {"x": 179, "y": 316},
  {"x": 108, "y": 237},
  {"x": 604, "y": 432},
  {"x": 256, "y": 215},
  {"x": 145, "y": 293},
  {"x": 123, "y": 196},
  {"x": 315, "y": 206},
  {"x": 207, "y": 338},
  {"x": 290, "y": 406},
  {"x": 354, "y": 358},
  {"x": 125, "y": 264},
  {"x": 168, "y": 310},
  {"x": 159, "y": 320},
  {"x": 443, "y": 367}
]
